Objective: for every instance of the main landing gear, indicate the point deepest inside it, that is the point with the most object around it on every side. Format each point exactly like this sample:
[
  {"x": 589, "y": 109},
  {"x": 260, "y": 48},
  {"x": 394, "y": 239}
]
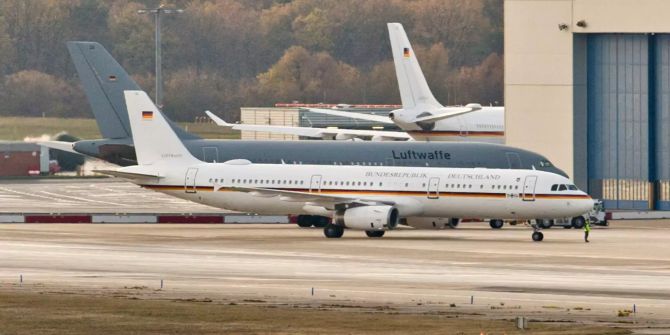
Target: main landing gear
[
  {"x": 333, "y": 231},
  {"x": 306, "y": 221},
  {"x": 374, "y": 233},
  {"x": 496, "y": 223}
]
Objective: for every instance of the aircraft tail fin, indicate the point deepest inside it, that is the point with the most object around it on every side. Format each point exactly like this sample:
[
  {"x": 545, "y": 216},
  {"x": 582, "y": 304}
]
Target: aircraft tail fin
[
  {"x": 104, "y": 80},
  {"x": 155, "y": 141},
  {"x": 414, "y": 90}
]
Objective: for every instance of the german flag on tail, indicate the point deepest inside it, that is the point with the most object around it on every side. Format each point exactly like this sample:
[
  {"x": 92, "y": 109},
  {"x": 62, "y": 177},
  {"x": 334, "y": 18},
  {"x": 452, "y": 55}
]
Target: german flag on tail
[
  {"x": 147, "y": 115},
  {"x": 405, "y": 52}
]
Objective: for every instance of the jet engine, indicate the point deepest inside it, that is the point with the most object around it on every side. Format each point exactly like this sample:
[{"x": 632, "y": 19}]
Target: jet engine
[{"x": 368, "y": 217}]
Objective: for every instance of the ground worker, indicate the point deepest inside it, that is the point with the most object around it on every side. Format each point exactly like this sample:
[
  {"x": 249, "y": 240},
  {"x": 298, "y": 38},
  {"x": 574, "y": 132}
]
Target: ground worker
[{"x": 587, "y": 229}]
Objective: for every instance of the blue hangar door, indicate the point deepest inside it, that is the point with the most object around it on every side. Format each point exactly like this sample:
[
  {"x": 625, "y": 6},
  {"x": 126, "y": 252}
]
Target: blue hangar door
[{"x": 629, "y": 120}]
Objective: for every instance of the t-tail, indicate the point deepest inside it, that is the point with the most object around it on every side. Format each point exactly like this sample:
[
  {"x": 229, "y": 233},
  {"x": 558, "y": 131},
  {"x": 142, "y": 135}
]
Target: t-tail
[
  {"x": 104, "y": 80},
  {"x": 156, "y": 143},
  {"x": 414, "y": 90}
]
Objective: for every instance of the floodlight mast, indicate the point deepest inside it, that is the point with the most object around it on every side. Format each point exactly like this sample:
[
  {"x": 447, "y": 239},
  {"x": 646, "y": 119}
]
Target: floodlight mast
[{"x": 157, "y": 12}]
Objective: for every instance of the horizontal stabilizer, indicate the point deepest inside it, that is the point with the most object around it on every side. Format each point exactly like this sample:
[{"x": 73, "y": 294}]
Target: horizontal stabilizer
[
  {"x": 450, "y": 112},
  {"x": 59, "y": 145}
]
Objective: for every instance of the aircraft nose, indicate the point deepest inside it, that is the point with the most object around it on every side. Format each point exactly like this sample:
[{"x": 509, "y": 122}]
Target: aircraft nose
[{"x": 587, "y": 203}]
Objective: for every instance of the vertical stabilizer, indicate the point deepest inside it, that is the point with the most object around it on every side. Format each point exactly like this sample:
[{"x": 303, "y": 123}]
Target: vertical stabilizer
[
  {"x": 104, "y": 80},
  {"x": 154, "y": 139},
  {"x": 101, "y": 79},
  {"x": 414, "y": 90}
]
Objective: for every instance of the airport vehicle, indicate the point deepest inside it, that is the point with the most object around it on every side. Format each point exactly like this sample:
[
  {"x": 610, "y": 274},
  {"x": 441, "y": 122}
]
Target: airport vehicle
[
  {"x": 368, "y": 198},
  {"x": 422, "y": 117}
]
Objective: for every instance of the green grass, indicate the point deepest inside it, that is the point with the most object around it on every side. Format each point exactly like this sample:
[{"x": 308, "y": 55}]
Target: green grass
[{"x": 18, "y": 128}]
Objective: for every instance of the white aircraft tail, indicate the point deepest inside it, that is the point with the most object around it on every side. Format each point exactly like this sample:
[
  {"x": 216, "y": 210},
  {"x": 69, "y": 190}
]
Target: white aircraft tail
[
  {"x": 154, "y": 139},
  {"x": 414, "y": 90}
]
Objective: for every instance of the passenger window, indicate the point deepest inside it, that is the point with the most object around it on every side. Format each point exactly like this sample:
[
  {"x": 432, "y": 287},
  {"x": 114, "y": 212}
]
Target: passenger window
[{"x": 562, "y": 188}]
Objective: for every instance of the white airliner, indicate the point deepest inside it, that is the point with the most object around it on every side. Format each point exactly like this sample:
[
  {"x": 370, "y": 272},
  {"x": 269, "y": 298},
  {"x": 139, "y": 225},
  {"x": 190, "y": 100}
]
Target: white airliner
[
  {"x": 422, "y": 117},
  {"x": 369, "y": 198}
]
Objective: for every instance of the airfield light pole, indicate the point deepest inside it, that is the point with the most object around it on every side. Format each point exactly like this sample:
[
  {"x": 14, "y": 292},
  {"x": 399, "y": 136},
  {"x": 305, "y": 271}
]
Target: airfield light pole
[{"x": 157, "y": 12}]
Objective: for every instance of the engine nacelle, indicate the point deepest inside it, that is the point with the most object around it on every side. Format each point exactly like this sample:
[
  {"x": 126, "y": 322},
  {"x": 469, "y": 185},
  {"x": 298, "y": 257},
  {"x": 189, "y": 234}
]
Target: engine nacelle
[
  {"x": 430, "y": 223},
  {"x": 344, "y": 137},
  {"x": 368, "y": 217}
]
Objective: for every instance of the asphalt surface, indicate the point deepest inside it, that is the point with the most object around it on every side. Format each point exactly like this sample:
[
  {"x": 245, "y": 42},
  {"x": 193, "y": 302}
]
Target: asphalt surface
[
  {"x": 506, "y": 273},
  {"x": 92, "y": 195}
]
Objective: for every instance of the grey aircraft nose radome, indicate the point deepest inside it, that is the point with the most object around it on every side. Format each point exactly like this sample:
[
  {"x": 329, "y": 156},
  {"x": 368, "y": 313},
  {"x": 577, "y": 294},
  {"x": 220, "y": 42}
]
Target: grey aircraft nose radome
[{"x": 104, "y": 82}]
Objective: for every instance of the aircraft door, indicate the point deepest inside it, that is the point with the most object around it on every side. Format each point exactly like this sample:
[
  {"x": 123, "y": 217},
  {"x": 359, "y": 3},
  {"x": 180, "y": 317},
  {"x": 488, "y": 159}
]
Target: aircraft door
[
  {"x": 189, "y": 180},
  {"x": 434, "y": 188},
  {"x": 463, "y": 126},
  {"x": 210, "y": 154},
  {"x": 513, "y": 160},
  {"x": 315, "y": 183},
  {"x": 529, "y": 188}
]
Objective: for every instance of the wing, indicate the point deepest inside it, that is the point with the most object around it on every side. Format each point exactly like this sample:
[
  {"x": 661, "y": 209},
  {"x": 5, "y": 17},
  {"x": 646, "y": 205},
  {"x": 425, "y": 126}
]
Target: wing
[
  {"x": 129, "y": 174},
  {"x": 353, "y": 115},
  {"x": 326, "y": 200},
  {"x": 313, "y": 132}
]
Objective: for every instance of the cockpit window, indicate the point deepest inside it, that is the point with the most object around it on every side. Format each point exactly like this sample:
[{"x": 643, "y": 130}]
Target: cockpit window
[
  {"x": 545, "y": 163},
  {"x": 562, "y": 188},
  {"x": 554, "y": 187},
  {"x": 572, "y": 188}
]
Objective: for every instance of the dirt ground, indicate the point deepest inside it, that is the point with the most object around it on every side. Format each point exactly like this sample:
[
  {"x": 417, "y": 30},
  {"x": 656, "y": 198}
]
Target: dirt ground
[{"x": 32, "y": 311}]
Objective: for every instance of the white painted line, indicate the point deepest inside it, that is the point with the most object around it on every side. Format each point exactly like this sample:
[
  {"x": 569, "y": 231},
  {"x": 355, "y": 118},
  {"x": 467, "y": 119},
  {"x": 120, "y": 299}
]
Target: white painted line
[
  {"x": 85, "y": 200},
  {"x": 256, "y": 219}
]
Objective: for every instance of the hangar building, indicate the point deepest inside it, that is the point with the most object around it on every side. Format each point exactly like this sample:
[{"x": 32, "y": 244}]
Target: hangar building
[{"x": 587, "y": 83}]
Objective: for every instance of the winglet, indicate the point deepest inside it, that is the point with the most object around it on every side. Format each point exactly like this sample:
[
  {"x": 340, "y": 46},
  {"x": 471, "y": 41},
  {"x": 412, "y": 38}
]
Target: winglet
[{"x": 219, "y": 121}]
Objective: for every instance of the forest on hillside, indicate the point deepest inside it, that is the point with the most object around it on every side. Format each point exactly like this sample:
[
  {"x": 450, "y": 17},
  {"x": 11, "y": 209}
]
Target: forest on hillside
[{"x": 222, "y": 54}]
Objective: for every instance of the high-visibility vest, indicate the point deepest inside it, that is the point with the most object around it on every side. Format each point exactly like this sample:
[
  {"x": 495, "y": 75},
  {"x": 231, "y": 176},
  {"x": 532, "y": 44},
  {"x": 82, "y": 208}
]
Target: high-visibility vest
[{"x": 587, "y": 225}]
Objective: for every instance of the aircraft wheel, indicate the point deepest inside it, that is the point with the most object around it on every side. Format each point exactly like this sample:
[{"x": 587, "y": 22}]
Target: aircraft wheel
[
  {"x": 320, "y": 221},
  {"x": 544, "y": 224},
  {"x": 538, "y": 236},
  {"x": 374, "y": 233},
  {"x": 578, "y": 222},
  {"x": 304, "y": 221},
  {"x": 453, "y": 223},
  {"x": 496, "y": 224},
  {"x": 333, "y": 231}
]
